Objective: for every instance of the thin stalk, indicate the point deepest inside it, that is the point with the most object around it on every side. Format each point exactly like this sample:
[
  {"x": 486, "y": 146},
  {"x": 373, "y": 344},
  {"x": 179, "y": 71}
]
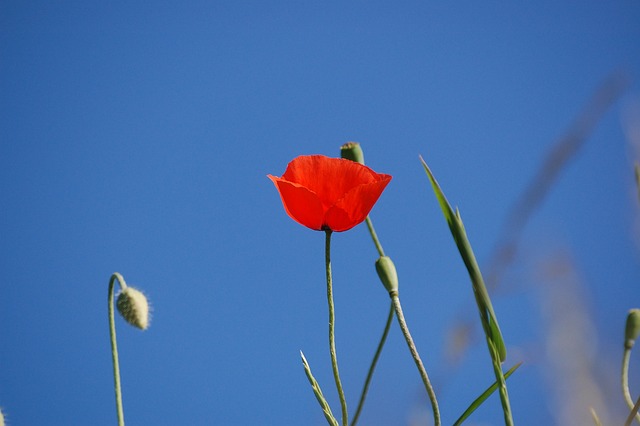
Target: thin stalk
[
  {"x": 594, "y": 416},
  {"x": 501, "y": 382},
  {"x": 114, "y": 346},
  {"x": 633, "y": 413},
  {"x": 625, "y": 380},
  {"x": 332, "y": 342},
  {"x": 374, "y": 236},
  {"x": 416, "y": 357},
  {"x": 367, "y": 382},
  {"x": 385, "y": 333}
]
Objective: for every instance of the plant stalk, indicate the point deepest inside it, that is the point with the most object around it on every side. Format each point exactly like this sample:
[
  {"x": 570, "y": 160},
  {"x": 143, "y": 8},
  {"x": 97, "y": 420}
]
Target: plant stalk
[
  {"x": 416, "y": 357},
  {"x": 625, "y": 381},
  {"x": 332, "y": 342},
  {"x": 374, "y": 236},
  {"x": 114, "y": 346},
  {"x": 367, "y": 382}
]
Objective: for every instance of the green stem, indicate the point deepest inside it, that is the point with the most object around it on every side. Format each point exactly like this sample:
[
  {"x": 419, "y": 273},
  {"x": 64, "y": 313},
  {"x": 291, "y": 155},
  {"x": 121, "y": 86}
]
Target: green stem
[
  {"x": 365, "y": 388},
  {"x": 374, "y": 236},
  {"x": 385, "y": 333},
  {"x": 114, "y": 346},
  {"x": 501, "y": 382},
  {"x": 332, "y": 342},
  {"x": 625, "y": 379},
  {"x": 416, "y": 357}
]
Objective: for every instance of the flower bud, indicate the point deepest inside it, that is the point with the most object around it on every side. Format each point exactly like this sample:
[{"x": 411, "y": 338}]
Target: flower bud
[
  {"x": 133, "y": 307},
  {"x": 632, "y": 329},
  {"x": 387, "y": 273},
  {"x": 352, "y": 151}
]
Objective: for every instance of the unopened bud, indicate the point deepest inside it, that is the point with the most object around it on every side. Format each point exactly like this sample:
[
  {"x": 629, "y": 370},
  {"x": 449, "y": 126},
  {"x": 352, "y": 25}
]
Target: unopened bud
[
  {"x": 632, "y": 329},
  {"x": 352, "y": 151},
  {"x": 133, "y": 307},
  {"x": 387, "y": 273}
]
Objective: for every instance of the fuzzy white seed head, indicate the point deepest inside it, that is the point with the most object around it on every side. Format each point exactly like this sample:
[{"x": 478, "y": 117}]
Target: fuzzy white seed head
[
  {"x": 1, "y": 418},
  {"x": 134, "y": 307}
]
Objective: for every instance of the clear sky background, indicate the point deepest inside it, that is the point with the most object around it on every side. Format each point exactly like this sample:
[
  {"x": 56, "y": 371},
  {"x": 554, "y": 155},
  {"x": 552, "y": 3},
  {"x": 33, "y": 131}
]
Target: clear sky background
[{"x": 137, "y": 136}]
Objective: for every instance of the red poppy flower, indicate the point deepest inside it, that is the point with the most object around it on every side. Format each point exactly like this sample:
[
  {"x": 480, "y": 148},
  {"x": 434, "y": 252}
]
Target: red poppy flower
[{"x": 321, "y": 192}]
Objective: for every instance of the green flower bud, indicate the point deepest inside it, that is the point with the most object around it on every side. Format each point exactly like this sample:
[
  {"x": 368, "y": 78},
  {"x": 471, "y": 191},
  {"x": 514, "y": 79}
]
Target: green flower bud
[
  {"x": 352, "y": 151},
  {"x": 133, "y": 307},
  {"x": 387, "y": 273},
  {"x": 632, "y": 329}
]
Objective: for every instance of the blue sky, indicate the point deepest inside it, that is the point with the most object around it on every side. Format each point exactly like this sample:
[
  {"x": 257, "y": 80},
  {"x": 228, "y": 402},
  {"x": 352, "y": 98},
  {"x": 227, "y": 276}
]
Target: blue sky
[{"x": 136, "y": 137}]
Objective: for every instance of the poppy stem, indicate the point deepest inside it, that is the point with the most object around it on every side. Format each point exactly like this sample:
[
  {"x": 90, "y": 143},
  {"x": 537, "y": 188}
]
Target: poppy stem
[
  {"x": 332, "y": 342},
  {"x": 383, "y": 339},
  {"x": 416, "y": 357},
  {"x": 367, "y": 382},
  {"x": 625, "y": 379},
  {"x": 114, "y": 346},
  {"x": 374, "y": 236}
]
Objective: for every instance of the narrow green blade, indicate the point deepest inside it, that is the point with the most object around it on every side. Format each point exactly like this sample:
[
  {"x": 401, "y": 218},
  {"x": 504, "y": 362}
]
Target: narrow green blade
[
  {"x": 488, "y": 317},
  {"x": 483, "y": 397},
  {"x": 318, "y": 393}
]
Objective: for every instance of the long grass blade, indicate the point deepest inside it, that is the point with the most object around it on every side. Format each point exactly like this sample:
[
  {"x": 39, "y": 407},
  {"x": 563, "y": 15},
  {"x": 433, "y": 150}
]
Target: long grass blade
[
  {"x": 483, "y": 397},
  {"x": 318, "y": 393},
  {"x": 495, "y": 342},
  {"x": 464, "y": 247}
]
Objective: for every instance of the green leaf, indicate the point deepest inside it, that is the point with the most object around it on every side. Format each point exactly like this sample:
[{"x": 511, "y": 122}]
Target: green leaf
[
  {"x": 454, "y": 220},
  {"x": 483, "y": 397},
  {"x": 318, "y": 393}
]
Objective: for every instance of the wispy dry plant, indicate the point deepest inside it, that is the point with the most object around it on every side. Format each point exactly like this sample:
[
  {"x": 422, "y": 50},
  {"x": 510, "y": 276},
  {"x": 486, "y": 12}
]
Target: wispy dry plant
[
  {"x": 559, "y": 156},
  {"x": 570, "y": 344},
  {"x": 556, "y": 160}
]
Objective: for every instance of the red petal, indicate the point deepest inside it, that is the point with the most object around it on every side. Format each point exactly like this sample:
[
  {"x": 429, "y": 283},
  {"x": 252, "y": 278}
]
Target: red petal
[
  {"x": 329, "y": 178},
  {"x": 301, "y": 205},
  {"x": 338, "y": 220},
  {"x": 356, "y": 204},
  {"x": 319, "y": 191}
]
